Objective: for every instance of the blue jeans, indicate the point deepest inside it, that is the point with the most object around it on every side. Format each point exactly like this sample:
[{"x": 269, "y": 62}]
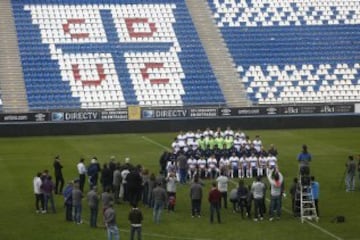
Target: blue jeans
[
  {"x": 136, "y": 230},
  {"x": 158, "y": 207},
  {"x": 93, "y": 216},
  {"x": 113, "y": 232},
  {"x": 49, "y": 197},
  {"x": 77, "y": 213},
  {"x": 183, "y": 174},
  {"x": 275, "y": 205}
]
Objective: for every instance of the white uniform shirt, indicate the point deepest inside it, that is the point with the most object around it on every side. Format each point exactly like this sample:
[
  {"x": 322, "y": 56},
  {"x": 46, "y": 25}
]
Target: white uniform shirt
[
  {"x": 257, "y": 144},
  {"x": 81, "y": 168},
  {"x": 212, "y": 163},
  {"x": 37, "y": 185},
  {"x": 229, "y": 133},
  {"x": 175, "y": 146},
  {"x": 253, "y": 161},
  {"x": 224, "y": 162},
  {"x": 272, "y": 160},
  {"x": 181, "y": 139},
  {"x": 222, "y": 182},
  {"x": 191, "y": 162},
  {"x": 234, "y": 161},
  {"x": 237, "y": 143},
  {"x": 201, "y": 163},
  {"x": 262, "y": 161},
  {"x": 243, "y": 162},
  {"x": 190, "y": 138}
]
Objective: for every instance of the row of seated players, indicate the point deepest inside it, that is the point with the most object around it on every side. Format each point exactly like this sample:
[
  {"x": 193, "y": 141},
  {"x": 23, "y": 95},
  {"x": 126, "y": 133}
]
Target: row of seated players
[{"x": 233, "y": 166}]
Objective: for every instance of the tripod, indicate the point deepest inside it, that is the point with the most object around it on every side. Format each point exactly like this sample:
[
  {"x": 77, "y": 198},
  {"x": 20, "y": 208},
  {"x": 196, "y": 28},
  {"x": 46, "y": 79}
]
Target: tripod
[{"x": 342, "y": 180}]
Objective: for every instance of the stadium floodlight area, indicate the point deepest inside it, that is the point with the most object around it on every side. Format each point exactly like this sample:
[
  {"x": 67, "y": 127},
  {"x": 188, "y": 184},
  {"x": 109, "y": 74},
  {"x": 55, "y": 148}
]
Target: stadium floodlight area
[
  {"x": 293, "y": 51},
  {"x": 112, "y": 54}
]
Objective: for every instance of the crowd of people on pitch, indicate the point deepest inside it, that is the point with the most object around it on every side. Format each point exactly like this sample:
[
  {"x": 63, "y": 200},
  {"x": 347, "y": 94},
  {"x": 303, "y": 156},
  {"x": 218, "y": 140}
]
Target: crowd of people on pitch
[
  {"x": 194, "y": 157},
  {"x": 223, "y": 156},
  {"x": 118, "y": 182}
]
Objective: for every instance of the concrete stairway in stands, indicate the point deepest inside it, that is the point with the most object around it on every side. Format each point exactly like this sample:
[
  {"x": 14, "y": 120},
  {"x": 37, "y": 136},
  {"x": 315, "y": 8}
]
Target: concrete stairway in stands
[
  {"x": 11, "y": 76},
  {"x": 218, "y": 54}
]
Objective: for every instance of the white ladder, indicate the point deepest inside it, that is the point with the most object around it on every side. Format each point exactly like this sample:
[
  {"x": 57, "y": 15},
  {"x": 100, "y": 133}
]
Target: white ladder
[{"x": 307, "y": 202}]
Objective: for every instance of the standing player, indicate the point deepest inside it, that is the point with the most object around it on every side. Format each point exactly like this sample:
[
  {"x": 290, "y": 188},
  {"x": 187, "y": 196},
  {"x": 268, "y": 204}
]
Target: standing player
[
  {"x": 257, "y": 143},
  {"x": 243, "y": 166},
  {"x": 253, "y": 165},
  {"x": 272, "y": 161},
  {"x": 234, "y": 162},
  {"x": 82, "y": 171},
  {"x": 224, "y": 166},
  {"x": 237, "y": 143},
  {"x": 229, "y": 132},
  {"x": 212, "y": 167},
  {"x": 190, "y": 138},
  {"x": 59, "y": 179},
  {"x": 262, "y": 163}
]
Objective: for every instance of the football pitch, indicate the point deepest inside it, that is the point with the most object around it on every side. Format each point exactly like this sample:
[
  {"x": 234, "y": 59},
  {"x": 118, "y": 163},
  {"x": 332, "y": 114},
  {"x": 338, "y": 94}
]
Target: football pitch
[{"x": 22, "y": 158}]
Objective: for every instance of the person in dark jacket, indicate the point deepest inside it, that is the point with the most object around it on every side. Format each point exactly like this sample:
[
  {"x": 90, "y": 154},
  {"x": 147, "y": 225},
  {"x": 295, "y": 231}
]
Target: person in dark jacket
[
  {"x": 243, "y": 195},
  {"x": 134, "y": 185},
  {"x": 196, "y": 193},
  {"x": 93, "y": 172},
  {"x": 106, "y": 177},
  {"x": 59, "y": 179},
  {"x": 93, "y": 202},
  {"x": 135, "y": 218},
  {"x": 68, "y": 201},
  {"x": 214, "y": 200}
]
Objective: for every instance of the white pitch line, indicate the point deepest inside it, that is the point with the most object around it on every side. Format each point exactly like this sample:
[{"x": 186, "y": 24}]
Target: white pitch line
[
  {"x": 286, "y": 210},
  {"x": 155, "y": 143}
]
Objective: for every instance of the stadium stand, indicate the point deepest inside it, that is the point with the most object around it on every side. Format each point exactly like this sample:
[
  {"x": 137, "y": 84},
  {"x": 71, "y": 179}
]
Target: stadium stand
[
  {"x": 111, "y": 55},
  {"x": 293, "y": 51}
]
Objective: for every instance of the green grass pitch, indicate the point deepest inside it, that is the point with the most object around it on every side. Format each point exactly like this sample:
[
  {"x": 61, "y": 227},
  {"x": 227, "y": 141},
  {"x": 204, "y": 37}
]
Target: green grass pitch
[{"x": 21, "y": 158}]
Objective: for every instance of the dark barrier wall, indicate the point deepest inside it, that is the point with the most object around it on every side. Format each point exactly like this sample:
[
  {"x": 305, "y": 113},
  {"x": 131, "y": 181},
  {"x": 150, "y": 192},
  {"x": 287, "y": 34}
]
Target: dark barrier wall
[{"x": 109, "y": 127}]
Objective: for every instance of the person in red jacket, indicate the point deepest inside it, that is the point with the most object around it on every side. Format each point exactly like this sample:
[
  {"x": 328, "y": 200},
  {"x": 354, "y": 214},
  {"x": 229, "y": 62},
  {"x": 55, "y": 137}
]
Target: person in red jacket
[{"x": 214, "y": 200}]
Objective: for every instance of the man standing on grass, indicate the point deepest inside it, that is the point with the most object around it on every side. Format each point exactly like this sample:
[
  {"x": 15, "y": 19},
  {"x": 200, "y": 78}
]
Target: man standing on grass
[
  {"x": 68, "y": 201},
  {"x": 39, "y": 196},
  {"x": 93, "y": 202},
  {"x": 276, "y": 181},
  {"x": 110, "y": 223},
  {"x": 222, "y": 185},
  {"x": 135, "y": 218},
  {"x": 59, "y": 179},
  {"x": 315, "y": 190},
  {"x": 159, "y": 197},
  {"x": 350, "y": 174},
  {"x": 258, "y": 192},
  {"x": 82, "y": 171},
  {"x": 196, "y": 196},
  {"x": 76, "y": 203},
  {"x": 214, "y": 200},
  {"x": 181, "y": 161}
]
